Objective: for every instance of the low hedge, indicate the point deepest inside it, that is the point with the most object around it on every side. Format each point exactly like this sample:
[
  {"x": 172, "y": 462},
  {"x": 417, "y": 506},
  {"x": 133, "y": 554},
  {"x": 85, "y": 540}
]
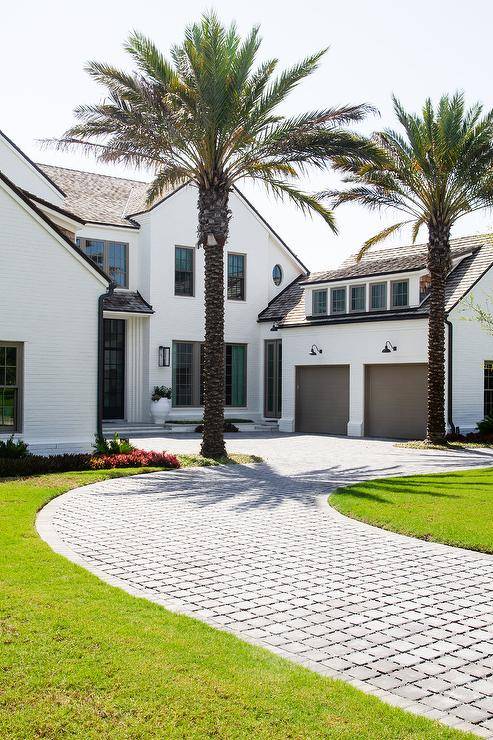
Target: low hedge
[{"x": 38, "y": 464}]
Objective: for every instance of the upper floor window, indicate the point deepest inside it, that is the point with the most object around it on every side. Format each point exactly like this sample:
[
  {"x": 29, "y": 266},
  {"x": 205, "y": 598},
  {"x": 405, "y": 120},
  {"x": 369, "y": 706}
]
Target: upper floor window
[
  {"x": 399, "y": 293},
  {"x": 112, "y": 257},
  {"x": 488, "y": 388},
  {"x": 378, "y": 296},
  {"x": 424, "y": 286},
  {"x": 236, "y": 276},
  {"x": 319, "y": 303},
  {"x": 184, "y": 271},
  {"x": 358, "y": 298},
  {"x": 10, "y": 357},
  {"x": 277, "y": 275},
  {"x": 338, "y": 300}
]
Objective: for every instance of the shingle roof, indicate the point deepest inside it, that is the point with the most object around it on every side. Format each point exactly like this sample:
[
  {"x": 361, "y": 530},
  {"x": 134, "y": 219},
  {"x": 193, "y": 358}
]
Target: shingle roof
[
  {"x": 126, "y": 301},
  {"x": 99, "y": 198},
  {"x": 288, "y": 308}
]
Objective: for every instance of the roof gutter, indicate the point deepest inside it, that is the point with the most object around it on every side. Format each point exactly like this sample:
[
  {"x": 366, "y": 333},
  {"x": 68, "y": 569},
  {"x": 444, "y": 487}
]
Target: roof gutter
[
  {"x": 450, "y": 386},
  {"x": 100, "y": 395}
]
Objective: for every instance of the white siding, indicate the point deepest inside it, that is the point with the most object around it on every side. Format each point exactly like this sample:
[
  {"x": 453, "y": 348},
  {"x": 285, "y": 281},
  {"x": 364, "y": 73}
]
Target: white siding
[
  {"x": 48, "y": 301},
  {"x": 472, "y": 346},
  {"x": 24, "y": 175}
]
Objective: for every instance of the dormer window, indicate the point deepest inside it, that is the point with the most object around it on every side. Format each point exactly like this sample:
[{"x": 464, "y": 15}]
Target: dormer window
[
  {"x": 319, "y": 302},
  {"x": 424, "y": 286},
  {"x": 399, "y": 292},
  {"x": 358, "y": 298},
  {"x": 378, "y": 296},
  {"x": 338, "y": 300},
  {"x": 112, "y": 257}
]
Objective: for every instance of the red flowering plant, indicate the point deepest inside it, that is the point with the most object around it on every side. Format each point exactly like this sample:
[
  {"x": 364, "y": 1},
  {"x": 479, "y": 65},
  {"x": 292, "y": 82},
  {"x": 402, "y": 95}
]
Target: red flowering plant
[{"x": 134, "y": 459}]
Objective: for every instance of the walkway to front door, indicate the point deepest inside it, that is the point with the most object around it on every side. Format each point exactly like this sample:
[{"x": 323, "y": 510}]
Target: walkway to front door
[{"x": 256, "y": 550}]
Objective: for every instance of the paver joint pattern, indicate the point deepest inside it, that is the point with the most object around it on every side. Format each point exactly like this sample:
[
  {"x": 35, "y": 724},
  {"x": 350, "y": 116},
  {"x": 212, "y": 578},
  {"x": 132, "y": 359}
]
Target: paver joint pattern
[{"x": 257, "y": 551}]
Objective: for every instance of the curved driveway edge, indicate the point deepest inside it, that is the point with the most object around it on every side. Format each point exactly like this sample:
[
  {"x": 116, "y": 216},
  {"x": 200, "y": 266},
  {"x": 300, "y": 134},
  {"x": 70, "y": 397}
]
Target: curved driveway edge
[{"x": 257, "y": 551}]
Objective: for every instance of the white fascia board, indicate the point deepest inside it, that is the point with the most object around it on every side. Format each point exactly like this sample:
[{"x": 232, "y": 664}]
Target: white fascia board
[{"x": 40, "y": 175}]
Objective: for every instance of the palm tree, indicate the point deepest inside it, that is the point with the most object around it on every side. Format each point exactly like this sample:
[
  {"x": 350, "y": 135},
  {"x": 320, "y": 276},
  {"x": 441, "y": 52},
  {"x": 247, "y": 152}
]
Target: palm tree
[
  {"x": 437, "y": 170},
  {"x": 209, "y": 117}
]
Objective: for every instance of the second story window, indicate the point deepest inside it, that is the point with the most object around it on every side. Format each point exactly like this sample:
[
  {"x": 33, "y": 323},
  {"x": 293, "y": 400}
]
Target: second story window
[
  {"x": 378, "y": 296},
  {"x": 319, "y": 303},
  {"x": 112, "y": 257},
  {"x": 184, "y": 271},
  {"x": 236, "y": 276},
  {"x": 424, "y": 286},
  {"x": 338, "y": 300},
  {"x": 358, "y": 298},
  {"x": 400, "y": 293}
]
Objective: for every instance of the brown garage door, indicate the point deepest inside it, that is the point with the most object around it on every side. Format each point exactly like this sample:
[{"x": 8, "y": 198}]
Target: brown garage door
[
  {"x": 322, "y": 399},
  {"x": 395, "y": 401}
]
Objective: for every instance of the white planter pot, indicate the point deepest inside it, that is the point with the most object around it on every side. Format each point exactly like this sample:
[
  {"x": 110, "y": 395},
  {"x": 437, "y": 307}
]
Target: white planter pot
[{"x": 160, "y": 410}]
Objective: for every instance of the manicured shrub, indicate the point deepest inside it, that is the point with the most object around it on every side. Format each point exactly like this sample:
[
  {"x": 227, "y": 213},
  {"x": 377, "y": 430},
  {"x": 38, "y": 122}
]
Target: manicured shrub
[
  {"x": 115, "y": 446},
  {"x": 134, "y": 459},
  {"x": 228, "y": 427},
  {"x": 13, "y": 449},
  {"x": 37, "y": 464},
  {"x": 486, "y": 426}
]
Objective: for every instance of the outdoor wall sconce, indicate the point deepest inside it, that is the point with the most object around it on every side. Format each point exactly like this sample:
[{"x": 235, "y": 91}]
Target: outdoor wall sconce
[
  {"x": 389, "y": 347},
  {"x": 164, "y": 356},
  {"x": 315, "y": 350},
  {"x": 275, "y": 326}
]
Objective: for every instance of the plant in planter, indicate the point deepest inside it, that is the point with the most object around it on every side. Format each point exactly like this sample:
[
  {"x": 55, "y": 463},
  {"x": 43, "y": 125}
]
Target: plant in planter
[{"x": 161, "y": 404}]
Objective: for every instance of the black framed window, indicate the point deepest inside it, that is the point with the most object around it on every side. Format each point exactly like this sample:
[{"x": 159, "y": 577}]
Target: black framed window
[
  {"x": 400, "y": 293},
  {"x": 236, "y": 276},
  {"x": 10, "y": 358},
  {"x": 187, "y": 372},
  {"x": 277, "y": 275},
  {"x": 184, "y": 282},
  {"x": 319, "y": 302},
  {"x": 112, "y": 257},
  {"x": 488, "y": 388},
  {"x": 358, "y": 298},
  {"x": 378, "y": 296},
  {"x": 338, "y": 300}
]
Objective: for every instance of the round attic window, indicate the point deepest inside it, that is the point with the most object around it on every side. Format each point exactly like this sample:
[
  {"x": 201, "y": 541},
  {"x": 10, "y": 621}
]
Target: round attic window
[{"x": 277, "y": 274}]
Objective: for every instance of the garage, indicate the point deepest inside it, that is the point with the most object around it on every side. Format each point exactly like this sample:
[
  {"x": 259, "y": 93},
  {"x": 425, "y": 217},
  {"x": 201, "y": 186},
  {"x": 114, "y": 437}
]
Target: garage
[
  {"x": 395, "y": 401},
  {"x": 322, "y": 399}
]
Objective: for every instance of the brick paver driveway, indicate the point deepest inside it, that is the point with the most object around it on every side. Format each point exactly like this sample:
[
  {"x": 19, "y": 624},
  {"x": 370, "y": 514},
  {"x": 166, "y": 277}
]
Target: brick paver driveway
[{"x": 256, "y": 550}]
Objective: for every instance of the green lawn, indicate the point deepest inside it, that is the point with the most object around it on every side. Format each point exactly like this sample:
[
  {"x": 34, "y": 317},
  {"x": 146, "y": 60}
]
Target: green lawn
[
  {"x": 81, "y": 659},
  {"x": 455, "y": 508}
]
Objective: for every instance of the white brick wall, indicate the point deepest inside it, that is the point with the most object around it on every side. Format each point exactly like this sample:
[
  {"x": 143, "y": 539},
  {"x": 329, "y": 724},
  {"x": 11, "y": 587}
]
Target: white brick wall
[{"x": 48, "y": 301}]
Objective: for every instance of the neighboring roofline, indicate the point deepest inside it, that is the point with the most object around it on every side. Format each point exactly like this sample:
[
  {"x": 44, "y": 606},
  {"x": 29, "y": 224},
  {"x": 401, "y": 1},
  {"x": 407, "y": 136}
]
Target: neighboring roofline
[
  {"x": 33, "y": 164},
  {"x": 272, "y": 231},
  {"x": 20, "y": 194},
  {"x": 361, "y": 319},
  {"x": 53, "y": 207},
  {"x": 447, "y": 312}
]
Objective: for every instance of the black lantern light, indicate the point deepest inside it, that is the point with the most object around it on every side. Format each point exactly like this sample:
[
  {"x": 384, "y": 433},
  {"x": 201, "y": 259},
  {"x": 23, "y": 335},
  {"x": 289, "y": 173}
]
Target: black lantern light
[{"x": 164, "y": 356}]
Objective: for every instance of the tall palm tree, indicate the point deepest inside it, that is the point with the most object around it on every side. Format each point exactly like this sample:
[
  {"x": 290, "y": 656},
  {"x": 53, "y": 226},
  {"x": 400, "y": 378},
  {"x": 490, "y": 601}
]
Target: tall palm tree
[
  {"x": 438, "y": 169},
  {"x": 209, "y": 117}
]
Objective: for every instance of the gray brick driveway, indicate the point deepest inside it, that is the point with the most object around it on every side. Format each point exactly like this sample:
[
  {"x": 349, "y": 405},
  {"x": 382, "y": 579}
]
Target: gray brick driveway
[{"x": 257, "y": 551}]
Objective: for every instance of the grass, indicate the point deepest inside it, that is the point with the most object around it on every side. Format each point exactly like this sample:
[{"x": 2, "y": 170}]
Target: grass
[
  {"x": 422, "y": 445},
  {"x": 454, "y": 508},
  {"x": 81, "y": 659}
]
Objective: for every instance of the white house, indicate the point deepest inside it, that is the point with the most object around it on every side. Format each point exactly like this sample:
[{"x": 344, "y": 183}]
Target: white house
[{"x": 304, "y": 349}]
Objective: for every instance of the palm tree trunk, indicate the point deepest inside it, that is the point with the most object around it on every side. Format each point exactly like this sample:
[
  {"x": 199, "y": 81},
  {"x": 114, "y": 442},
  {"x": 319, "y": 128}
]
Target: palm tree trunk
[
  {"x": 214, "y": 218},
  {"x": 438, "y": 265}
]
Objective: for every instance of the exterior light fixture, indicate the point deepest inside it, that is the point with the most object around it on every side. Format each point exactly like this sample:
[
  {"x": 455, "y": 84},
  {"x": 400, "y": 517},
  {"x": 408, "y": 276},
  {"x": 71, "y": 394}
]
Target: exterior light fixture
[
  {"x": 315, "y": 350},
  {"x": 389, "y": 347},
  {"x": 275, "y": 326},
  {"x": 164, "y": 356}
]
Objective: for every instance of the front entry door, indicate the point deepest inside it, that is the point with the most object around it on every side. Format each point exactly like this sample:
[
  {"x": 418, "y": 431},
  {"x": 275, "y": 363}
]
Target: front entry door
[
  {"x": 114, "y": 369},
  {"x": 273, "y": 379}
]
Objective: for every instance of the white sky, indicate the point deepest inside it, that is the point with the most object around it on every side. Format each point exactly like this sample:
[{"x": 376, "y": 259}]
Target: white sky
[{"x": 416, "y": 49}]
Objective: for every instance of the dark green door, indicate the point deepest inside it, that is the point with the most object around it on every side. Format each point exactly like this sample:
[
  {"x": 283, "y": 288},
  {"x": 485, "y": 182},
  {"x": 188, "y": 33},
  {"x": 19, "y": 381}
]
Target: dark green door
[
  {"x": 114, "y": 369},
  {"x": 273, "y": 379}
]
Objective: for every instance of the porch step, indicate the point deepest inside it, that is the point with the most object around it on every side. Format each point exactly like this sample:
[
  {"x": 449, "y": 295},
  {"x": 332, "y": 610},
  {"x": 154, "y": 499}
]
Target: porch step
[{"x": 153, "y": 430}]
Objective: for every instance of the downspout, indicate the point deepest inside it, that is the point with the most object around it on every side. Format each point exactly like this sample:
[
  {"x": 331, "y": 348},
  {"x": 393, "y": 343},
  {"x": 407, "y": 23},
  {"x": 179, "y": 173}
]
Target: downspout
[
  {"x": 450, "y": 344},
  {"x": 100, "y": 394}
]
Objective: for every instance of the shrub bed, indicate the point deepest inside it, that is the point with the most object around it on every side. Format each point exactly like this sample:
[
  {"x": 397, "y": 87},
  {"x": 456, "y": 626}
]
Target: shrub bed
[{"x": 36, "y": 464}]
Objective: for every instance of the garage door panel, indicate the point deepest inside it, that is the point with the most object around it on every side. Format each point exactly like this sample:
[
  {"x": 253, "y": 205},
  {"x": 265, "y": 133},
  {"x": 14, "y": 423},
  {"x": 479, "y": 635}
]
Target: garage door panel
[
  {"x": 322, "y": 399},
  {"x": 395, "y": 401}
]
